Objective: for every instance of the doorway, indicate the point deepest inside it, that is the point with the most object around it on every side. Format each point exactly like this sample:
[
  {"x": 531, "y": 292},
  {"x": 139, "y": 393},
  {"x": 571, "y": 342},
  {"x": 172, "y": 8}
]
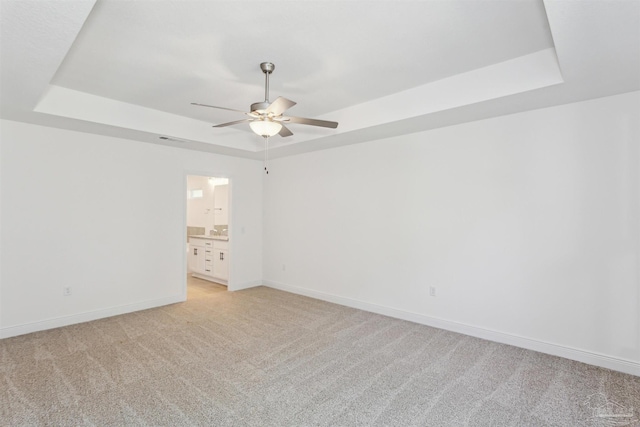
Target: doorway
[{"x": 207, "y": 234}]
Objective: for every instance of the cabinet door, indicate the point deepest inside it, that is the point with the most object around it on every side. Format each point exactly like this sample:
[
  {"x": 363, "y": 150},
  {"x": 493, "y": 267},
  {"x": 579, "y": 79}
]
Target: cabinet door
[
  {"x": 221, "y": 264},
  {"x": 197, "y": 256}
]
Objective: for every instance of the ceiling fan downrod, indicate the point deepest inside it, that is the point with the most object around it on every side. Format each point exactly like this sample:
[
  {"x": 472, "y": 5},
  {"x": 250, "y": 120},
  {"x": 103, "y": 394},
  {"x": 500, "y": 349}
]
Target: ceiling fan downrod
[{"x": 267, "y": 68}]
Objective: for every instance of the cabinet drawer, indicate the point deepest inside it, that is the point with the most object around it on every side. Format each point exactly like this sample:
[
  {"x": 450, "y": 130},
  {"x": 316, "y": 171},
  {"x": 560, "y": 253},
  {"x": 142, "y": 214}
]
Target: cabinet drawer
[
  {"x": 197, "y": 242},
  {"x": 217, "y": 244},
  {"x": 208, "y": 243}
]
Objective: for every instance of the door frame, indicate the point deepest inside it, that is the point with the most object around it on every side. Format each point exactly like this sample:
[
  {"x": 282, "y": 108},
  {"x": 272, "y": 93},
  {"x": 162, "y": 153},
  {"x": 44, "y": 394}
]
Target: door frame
[{"x": 183, "y": 225}]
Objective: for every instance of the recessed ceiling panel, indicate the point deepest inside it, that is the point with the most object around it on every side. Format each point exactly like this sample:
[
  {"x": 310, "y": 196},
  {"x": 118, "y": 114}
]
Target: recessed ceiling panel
[
  {"x": 329, "y": 55},
  {"x": 379, "y": 68}
]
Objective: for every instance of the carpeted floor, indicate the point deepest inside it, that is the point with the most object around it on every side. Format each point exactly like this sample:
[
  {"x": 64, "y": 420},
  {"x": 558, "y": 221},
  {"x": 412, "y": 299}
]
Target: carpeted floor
[{"x": 263, "y": 357}]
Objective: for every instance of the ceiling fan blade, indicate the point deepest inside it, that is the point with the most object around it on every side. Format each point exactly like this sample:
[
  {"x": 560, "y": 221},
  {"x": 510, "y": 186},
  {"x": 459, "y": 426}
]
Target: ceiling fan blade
[
  {"x": 284, "y": 132},
  {"x": 312, "y": 122},
  {"x": 232, "y": 123},
  {"x": 279, "y": 106},
  {"x": 219, "y": 108},
  {"x": 170, "y": 138}
]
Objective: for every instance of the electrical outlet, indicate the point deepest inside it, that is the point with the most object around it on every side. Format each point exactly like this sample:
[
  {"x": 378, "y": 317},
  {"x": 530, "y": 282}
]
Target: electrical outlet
[
  {"x": 432, "y": 291},
  {"x": 66, "y": 291}
]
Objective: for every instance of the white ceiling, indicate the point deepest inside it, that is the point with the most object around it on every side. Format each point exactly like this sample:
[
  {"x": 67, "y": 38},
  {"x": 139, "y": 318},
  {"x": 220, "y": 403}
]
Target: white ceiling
[{"x": 131, "y": 68}]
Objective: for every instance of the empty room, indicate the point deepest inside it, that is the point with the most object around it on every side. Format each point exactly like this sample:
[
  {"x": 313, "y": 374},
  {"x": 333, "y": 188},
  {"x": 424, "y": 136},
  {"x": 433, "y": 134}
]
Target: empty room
[{"x": 320, "y": 213}]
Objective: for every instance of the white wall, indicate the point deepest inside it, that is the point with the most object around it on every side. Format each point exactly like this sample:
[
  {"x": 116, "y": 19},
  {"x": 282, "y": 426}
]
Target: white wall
[
  {"x": 106, "y": 216},
  {"x": 527, "y": 225}
]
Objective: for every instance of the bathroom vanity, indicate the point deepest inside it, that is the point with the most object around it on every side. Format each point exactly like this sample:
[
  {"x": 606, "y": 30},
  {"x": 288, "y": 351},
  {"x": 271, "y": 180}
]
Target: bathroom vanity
[{"x": 209, "y": 258}]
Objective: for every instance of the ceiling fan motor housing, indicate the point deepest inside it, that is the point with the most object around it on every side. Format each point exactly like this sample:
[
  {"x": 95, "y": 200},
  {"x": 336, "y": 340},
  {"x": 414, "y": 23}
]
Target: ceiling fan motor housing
[
  {"x": 259, "y": 106},
  {"x": 267, "y": 67}
]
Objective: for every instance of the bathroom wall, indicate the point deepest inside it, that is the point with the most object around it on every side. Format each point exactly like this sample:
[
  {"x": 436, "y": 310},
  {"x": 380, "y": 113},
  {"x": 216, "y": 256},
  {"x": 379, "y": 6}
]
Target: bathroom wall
[{"x": 200, "y": 210}]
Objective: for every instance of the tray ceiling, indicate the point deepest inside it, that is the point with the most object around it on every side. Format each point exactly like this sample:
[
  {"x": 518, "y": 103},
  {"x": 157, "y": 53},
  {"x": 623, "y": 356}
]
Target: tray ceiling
[{"x": 132, "y": 68}]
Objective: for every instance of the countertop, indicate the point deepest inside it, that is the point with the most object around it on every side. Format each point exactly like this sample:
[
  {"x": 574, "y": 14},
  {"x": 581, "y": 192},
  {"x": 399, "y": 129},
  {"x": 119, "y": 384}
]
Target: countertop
[{"x": 204, "y": 236}]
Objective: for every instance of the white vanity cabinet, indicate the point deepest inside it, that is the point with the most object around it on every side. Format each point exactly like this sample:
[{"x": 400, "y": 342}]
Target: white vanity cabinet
[
  {"x": 221, "y": 259},
  {"x": 209, "y": 258}
]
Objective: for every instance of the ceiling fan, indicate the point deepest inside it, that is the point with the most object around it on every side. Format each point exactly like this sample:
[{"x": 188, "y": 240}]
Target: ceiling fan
[{"x": 266, "y": 118}]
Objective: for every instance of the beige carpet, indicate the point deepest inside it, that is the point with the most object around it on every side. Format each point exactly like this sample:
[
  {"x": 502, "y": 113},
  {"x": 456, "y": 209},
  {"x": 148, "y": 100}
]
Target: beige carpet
[{"x": 262, "y": 357}]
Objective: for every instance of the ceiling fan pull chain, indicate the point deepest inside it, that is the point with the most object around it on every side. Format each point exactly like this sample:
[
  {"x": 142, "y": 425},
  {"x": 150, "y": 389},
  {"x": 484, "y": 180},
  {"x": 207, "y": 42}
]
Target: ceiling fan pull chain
[{"x": 266, "y": 153}]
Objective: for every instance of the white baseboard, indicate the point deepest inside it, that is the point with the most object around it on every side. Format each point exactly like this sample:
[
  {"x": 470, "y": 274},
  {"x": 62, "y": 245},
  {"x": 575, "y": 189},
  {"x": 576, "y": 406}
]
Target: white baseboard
[
  {"x": 27, "y": 328},
  {"x": 209, "y": 278},
  {"x": 245, "y": 285},
  {"x": 604, "y": 361}
]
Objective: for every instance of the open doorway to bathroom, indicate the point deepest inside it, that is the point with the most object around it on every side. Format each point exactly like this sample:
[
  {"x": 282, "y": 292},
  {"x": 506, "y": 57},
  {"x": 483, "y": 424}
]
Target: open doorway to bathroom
[{"x": 207, "y": 235}]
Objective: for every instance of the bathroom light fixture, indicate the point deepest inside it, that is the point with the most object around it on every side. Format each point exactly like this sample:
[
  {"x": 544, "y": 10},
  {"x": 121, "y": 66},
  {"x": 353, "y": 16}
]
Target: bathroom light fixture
[{"x": 265, "y": 127}]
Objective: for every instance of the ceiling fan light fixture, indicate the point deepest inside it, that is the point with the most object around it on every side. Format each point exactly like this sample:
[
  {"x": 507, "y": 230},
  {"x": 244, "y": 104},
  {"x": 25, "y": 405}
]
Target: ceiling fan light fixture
[{"x": 265, "y": 128}]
